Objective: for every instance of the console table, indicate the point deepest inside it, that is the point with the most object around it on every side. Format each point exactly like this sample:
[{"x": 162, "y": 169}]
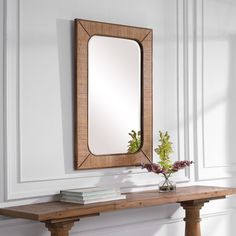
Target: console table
[{"x": 59, "y": 217}]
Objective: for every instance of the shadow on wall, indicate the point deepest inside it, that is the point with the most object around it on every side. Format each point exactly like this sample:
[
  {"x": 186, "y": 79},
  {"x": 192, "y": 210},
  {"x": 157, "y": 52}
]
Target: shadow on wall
[
  {"x": 231, "y": 103},
  {"x": 231, "y": 114},
  {"x": 65, "y": 40},
  {"x": 147, "y": 221}
]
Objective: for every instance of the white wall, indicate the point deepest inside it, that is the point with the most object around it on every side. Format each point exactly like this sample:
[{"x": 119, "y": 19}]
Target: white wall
[{"x": 193, "y": 100}]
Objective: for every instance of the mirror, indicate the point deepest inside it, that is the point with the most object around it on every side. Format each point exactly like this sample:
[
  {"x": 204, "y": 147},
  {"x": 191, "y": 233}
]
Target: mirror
[{"x": 113, "y": 95}]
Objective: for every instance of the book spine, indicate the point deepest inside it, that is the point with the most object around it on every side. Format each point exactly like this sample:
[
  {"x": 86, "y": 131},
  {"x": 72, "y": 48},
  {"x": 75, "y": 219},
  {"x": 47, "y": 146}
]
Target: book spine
[
  {"x": 81, "y": 194},
  {"x": 121, "y": 197},
  {"x": 73, "y": 197}
]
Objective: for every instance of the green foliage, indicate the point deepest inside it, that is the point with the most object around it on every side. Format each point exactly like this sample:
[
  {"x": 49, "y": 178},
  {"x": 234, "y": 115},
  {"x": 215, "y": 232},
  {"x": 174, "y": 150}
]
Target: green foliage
[
  {"x": 164, "y": 150},
  {"x": 135, "y": 142}
]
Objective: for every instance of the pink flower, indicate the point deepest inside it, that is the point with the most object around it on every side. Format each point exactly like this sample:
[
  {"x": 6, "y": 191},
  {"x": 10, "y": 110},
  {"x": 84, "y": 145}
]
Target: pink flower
[
  {"x": 153, "y": 167},
  {"x": 180, "y": 165},
  {"x": 158, "y": 169}
]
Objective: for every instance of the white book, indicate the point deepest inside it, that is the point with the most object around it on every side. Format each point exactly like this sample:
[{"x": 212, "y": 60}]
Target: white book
[
  {"x": 89, "y": 197},
  {"x": 120, "y": 197},
  {"x": 89, "y": 191}
]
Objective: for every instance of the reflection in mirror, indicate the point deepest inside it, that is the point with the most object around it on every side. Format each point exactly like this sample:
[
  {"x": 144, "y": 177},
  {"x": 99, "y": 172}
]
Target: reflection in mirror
[
  {"x": 114, "y": 94},
  {"x": 135, "y": 141}
]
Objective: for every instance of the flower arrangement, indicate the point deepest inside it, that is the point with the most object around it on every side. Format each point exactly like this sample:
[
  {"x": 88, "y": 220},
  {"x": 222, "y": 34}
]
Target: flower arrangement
[{"x": 165, "y": 166}]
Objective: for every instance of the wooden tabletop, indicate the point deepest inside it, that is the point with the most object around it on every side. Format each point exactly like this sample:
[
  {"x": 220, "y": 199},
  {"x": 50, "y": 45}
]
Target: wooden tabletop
[{"x": 61, "y": 210}]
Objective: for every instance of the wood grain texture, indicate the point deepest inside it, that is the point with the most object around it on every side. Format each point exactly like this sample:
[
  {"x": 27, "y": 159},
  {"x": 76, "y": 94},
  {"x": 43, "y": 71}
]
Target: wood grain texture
[
  {"x": 54, "y": 211},
  {"x": 192, "y": 217},
  {"x": 60, "y": 228},
  {"x": 84, "y": 159},
  {"x": 114, "y": 30},
  {"x": 81, "y": 99}
]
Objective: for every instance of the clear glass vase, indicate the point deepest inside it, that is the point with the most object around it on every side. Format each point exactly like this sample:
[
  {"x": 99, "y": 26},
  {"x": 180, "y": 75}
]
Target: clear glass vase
[{"x": 167, "y": 184}]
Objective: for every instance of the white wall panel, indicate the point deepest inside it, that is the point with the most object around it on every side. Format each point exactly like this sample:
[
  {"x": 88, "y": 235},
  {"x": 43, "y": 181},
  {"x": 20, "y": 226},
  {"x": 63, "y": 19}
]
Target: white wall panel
[
  {"x": 216, "y": 27},
  {"x": 39, "y": 84}
]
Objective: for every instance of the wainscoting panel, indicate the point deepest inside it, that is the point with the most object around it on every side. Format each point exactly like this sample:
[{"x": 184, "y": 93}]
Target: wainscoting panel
[
  {"x": 192, "y": 40},
  {"x": 214, "y": 75},
  {"x": 39, "y": 85}
]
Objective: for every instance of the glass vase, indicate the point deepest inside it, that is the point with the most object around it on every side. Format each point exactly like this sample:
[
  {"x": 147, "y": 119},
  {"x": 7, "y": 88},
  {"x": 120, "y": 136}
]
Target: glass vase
[{"x": 167, "y": 185}]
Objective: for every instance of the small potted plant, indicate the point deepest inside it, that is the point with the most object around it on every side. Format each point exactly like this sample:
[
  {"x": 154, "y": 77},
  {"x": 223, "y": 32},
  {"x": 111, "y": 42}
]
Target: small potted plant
[{"x": 165, "y": 166}]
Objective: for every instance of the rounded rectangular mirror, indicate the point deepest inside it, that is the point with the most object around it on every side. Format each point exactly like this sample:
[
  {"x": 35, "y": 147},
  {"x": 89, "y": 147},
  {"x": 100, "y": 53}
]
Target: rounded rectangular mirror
[{"x": 114, "y": 95}]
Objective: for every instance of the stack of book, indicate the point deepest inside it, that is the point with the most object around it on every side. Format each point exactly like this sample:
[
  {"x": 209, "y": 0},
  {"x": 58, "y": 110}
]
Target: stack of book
[{"x": 90, "y": 195}]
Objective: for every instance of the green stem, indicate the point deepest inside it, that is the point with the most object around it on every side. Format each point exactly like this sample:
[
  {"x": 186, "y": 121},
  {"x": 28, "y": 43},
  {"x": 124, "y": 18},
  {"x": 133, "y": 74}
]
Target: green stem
[{"x": 167, "y": 182}]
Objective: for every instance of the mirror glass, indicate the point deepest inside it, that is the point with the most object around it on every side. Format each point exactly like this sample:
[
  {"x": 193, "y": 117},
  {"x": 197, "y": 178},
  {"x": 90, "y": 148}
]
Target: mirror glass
[{"x": 114, "y": 95}]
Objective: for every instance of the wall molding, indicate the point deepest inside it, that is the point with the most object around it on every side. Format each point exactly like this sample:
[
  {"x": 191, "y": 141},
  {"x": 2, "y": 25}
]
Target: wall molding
[
  {"x": 19, "y": 188},
  {"x": 2, "y": 97},
  {"x": 203, "y": 171},
  {"x": 182, "y": 81}
]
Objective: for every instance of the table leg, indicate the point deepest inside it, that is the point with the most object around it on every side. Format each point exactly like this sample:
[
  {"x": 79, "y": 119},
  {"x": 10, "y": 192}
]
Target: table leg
[
  {"x": 59, "y": 228},
  {"x": 192, "y": 217}
]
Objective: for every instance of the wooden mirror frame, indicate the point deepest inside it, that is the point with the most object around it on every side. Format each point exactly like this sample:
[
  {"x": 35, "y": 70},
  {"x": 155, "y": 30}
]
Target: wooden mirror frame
[{"x": 84, "y": 159}]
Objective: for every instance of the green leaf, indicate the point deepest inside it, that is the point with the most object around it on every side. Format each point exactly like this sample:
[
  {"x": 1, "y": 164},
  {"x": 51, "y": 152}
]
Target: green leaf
[
  {"x": 135, "y": 143},
  {"x": 164, "y": 149}
]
